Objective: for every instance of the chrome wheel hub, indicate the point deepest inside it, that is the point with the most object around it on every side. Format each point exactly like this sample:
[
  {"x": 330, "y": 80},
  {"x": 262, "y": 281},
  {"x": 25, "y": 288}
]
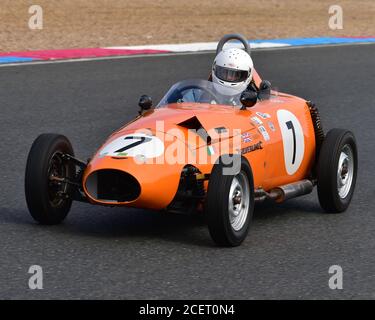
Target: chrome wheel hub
[
  {"x": 345, "y": 171},
  {"x": 238, "y": 201}
]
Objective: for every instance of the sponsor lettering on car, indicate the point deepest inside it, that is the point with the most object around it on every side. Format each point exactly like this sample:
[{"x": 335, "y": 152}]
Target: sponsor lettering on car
[{"x": 252, "y": 148}]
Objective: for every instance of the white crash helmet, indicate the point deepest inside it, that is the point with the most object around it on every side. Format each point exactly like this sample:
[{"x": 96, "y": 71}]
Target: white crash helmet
[{"x": 232, "y": 68}]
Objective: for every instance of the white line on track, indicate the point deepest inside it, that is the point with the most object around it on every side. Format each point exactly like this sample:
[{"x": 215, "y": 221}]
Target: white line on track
[{"x": 39, "y": 62}]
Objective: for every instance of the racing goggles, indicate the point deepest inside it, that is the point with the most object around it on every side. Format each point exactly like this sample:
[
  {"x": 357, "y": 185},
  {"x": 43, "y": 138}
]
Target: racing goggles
[{"x": 231, "y": 75}]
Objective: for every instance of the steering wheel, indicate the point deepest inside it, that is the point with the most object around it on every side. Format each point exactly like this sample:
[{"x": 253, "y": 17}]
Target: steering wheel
[{"x": 177, "y": 94}]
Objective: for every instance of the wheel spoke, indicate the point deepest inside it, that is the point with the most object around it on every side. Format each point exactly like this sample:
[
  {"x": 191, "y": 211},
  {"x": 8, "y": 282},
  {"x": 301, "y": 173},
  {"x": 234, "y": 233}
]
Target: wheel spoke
[{"x": 57, "y": 180}]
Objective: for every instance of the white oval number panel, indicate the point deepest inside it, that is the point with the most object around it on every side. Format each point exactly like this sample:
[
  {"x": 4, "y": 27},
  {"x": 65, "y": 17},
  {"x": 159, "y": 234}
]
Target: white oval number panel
[
  {"x": 133, "y": 145},
  {"x": 293, "y": 140}
]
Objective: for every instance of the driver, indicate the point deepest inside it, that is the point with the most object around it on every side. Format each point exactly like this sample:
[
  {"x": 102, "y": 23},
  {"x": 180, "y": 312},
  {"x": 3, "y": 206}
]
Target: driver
[{"x": 233, "y": 68}]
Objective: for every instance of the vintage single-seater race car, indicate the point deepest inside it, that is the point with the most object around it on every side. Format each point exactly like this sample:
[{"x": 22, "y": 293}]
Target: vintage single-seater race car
[{"x": 201, "y": 151}]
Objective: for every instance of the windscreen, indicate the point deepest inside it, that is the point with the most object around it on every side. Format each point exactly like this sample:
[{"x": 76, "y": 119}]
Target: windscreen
[{"x": 201, "y": 91}]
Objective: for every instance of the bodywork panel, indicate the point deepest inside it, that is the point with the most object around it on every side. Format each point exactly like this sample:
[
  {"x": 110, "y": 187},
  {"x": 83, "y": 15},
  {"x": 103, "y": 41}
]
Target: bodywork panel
[{"x": 276, "y": 136}]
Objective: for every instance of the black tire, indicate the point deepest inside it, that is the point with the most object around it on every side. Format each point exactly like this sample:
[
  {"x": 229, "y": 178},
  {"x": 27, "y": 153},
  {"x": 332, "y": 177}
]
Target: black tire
[
  {"x": 217, "y": 206},
  {"x": 42, "y": 198},
  {"x": 336, "y": 142}
]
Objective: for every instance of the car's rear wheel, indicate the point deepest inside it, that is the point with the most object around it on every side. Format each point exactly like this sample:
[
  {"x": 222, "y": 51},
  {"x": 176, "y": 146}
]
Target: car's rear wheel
[
  {"x": 48, "y": 196},
  {"x": 337, "y": 170},
  {"x": 230, "y": 204}
]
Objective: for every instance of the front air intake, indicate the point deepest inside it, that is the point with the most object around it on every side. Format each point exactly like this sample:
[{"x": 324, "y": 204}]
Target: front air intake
[{"x": 112, "y": 186}]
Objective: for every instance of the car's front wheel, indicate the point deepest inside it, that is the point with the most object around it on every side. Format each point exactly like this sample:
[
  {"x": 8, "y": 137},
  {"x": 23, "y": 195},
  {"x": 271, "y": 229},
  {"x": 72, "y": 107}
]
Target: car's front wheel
[
  {"x": 46, "y": 190},
  {"x": 230, "y": 204}
]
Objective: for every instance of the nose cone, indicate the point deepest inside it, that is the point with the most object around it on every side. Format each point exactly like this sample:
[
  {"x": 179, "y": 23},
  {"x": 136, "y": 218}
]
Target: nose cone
[
  {"x": 124, "y": 181},
  {"x": 140, "y": 169},
  {"x": 112, "y": 186}
]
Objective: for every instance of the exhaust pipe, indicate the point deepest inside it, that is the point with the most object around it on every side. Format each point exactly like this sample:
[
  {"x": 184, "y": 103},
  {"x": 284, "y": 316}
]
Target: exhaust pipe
[
  {"x": 288, "y": 191},
  {"x": 293, "y": 190}
]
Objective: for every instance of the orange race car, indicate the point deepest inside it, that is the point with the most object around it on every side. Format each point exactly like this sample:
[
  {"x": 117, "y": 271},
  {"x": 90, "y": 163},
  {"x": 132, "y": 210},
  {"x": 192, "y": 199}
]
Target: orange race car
[{"x": 202, "y": 149}]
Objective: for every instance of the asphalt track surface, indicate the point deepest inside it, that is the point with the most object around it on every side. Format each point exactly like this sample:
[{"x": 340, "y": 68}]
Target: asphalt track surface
[{"x": 131, "y": 254}]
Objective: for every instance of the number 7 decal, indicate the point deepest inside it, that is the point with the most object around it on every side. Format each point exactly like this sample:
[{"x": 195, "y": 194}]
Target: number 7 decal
[
  {"x": 134, "y": 144},
  {"x": 290, "y": 126},
  {"x": 293, "y": 140}
]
